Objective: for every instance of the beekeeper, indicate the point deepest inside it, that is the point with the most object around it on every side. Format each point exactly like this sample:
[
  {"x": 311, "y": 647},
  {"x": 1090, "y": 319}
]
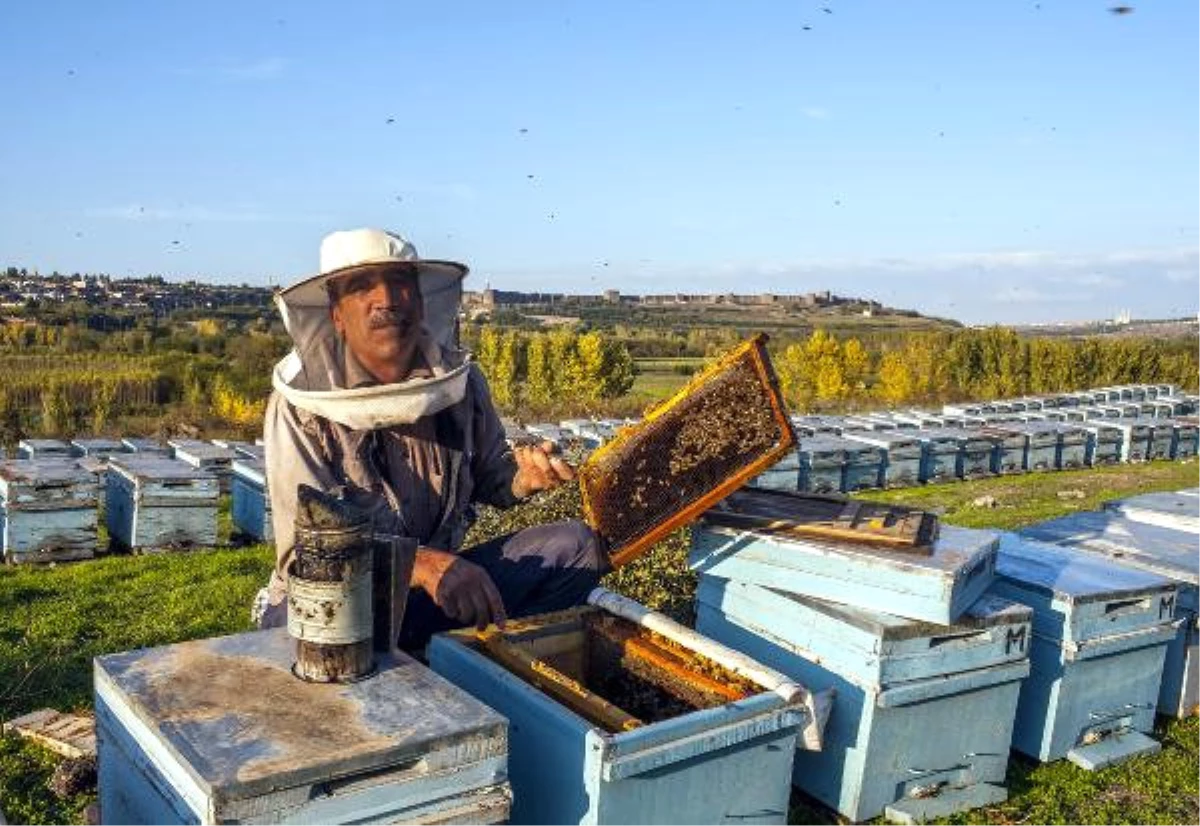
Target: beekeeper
[{"x": 376, "y": 400}]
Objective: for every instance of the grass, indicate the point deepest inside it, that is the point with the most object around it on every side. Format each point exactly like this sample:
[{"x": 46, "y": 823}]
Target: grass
[{"x": 55, "y": 619}]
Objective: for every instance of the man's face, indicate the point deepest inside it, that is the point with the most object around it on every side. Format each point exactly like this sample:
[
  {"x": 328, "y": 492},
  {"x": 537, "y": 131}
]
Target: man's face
[{"x": 378, "y": 312}]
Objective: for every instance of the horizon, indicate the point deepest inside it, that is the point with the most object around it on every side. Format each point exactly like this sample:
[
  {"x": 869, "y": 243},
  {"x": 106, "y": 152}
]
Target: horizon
[{"x": 985, "y": 162}]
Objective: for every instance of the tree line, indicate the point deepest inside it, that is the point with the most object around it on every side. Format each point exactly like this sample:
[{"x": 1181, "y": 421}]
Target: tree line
[{"x": 824, "y": 373}]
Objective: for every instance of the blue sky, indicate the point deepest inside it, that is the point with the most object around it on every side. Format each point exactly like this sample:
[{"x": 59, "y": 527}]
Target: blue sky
[{"x": 987, "y": 161}]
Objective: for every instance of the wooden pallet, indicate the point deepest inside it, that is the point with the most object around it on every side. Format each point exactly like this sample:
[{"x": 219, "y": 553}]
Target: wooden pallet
[
  {"x": 819, "y": 516},
  {"x": 71, "y": 735}
]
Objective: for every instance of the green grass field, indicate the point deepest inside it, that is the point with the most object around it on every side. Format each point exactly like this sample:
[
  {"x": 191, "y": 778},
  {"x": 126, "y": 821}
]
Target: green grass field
[{"x": 55, "y": 619}]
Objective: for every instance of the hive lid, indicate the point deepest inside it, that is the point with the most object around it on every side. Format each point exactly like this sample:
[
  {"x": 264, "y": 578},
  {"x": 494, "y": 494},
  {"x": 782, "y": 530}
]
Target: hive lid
[
  {"x": 1164, "y": 551},
  {"x": 1179, "y": 510},
  {"x": 725, "y": 427},
  {"x": 152, "y": 466},
  {"x": 1070, "y": 574},
  {"x": 244, "y": 726}
]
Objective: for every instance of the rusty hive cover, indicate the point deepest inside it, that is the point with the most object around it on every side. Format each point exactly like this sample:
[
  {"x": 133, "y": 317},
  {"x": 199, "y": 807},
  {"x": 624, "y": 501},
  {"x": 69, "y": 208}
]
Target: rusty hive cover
[{"x": 726, "y": 426}]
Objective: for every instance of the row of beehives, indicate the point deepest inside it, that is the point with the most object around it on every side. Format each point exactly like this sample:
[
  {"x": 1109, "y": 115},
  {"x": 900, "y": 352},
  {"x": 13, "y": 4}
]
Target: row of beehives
[
  {"x": 849, "y": 453},
  {"x": 50, "y": 503},
  {"x": 1058, "y": 641}
]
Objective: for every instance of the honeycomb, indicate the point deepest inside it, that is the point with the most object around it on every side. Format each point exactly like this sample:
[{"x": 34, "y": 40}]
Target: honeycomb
[{"x": 723, "y": 428}]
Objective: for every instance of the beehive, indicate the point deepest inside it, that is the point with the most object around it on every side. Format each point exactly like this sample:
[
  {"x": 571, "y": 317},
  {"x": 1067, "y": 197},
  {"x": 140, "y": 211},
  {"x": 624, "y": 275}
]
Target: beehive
[
  {"x": 864, "y": 464},
  {"x": 783, "y": 475},
  {"x": 941, "y": 449},
  {"x": 702, "y": 747},
  {"x": 154, "y": 503},
  {"x": 936, "y": 587},
  {"x": 897, "y": 681},
  {"x": 822, "y": 464},
  {"x": 44, "y": 449},
  {"x": 1161, "y": 439},
  {"x": 1155, "y": 549},
  {"x": 901, "y": 455},
  {"x": 249, "y": 500},
  {"x": 97, "y": 447},
  {"x": 206, "y": 456},
  {"x": 220, "y": 731},
  {"x": 150, "y": 447},
  {"x": 1011, "y": 448},
  {"x": 1100, "y": 632},
  {"x": 47, "y": 510},
  {"x": 1103, "y": 443}
]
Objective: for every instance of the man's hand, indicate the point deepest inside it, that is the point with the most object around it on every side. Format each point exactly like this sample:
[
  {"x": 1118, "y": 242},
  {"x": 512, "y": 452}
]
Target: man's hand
[
  {"x": 539, "y": 468},
  {"x": 462, "y": 589}
]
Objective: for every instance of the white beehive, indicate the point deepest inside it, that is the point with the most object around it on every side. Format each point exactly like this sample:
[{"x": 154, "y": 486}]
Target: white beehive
[{"x": 155, "y": 503}]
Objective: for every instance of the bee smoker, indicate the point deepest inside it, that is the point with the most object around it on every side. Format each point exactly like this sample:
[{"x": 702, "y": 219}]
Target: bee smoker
[{"x": 347, "y": 589}]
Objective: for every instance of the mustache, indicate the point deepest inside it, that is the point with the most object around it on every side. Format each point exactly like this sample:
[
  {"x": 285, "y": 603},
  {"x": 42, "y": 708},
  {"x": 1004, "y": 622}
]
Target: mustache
[{"x": 383, "y": 317}]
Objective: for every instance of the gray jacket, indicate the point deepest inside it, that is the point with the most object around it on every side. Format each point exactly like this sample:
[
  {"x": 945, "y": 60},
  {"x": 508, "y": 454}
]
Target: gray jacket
[{"x": 418, "y": 480}]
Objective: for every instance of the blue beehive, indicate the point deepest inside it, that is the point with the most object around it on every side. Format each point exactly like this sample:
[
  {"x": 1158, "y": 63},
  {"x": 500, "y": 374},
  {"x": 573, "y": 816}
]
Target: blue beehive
[
  {"x": 250, "y": 501},
  {"x": 1187, "y": 437},
  {"x": 783, "y": 475},
  {"x": 822, "y": 463},
  {"x": 44, "y": 449},
  {"x": 864, "y": 463},
  {"x": 941, "y": 449},
  {"x": 207, "y": 456},
  {"x": 221, "y": 731},
  {"x": 1161, "y": 439},
  {"x": 901, "y": 451},
  {"x": 1100, "y": 632},
  {"x": 150, "y": 447},
  {"x": 1103, "y": 443},
  {"x": 923, "y": 713},
  {"x": 1135, "y": 439},
  {"x": 938, "y": 587},
  {"x": 729, "y": 762},
  {"x": 1159, "y": 550},
  {"x": 1012, "y": 445}
]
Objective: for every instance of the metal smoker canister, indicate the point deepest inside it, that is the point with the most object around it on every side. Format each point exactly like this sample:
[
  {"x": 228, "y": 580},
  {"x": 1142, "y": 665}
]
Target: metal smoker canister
[{"x": 329, "y": 590}]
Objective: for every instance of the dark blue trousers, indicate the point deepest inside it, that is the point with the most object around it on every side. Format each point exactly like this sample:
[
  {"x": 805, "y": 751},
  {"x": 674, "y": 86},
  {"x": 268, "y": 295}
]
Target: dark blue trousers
[{"x": 540, "y": 569}]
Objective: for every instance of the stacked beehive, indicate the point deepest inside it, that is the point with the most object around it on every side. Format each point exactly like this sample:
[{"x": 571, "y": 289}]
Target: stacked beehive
[{"x": 909, "y": 641}]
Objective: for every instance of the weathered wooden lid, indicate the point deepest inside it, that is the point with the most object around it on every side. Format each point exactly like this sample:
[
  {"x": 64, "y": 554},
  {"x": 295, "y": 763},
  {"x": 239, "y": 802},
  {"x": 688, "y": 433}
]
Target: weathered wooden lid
[
  {"x": 230, "y": 709},
  {"x": 1070, "y": 574},
  {"x": 1154, "y": 548}
]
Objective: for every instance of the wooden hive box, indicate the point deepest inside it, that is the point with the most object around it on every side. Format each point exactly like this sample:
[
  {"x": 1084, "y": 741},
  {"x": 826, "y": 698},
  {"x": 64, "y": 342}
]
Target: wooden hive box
[
  {"x": 864, "y": 465},
  {"x": 250, "y": 451},
  {"x": 923, "y": 713},
  {"x": 720, "y": 761},
  {"x": 1135, "y": 439},
  {"x": 206, "y": 456},
  {"x": 783, "y": 475},
  {"x": 1179, "y": 511},
  {"x": 1187, "y": 436},
  {"x": 822, "y": 464},
  {"x": 937, "y": 587},
  {"x": 48, "y": 510},
  {"x": 1072, "y": 445},
  {"x": 99, "y": 469},
  {"x": 975, "y": 457},
  {"x": 941, "y": 448},
  {"x": 1011, "y": 447},
  {"x": 1159, "y": 550},
  {"x": 1100, "y": 633},
  {"x": 1103, "y": 443},
  {"x": 44, "y": 449},
  {"x": 98, "y": 447},
  {"x": 249, "y": 501},
  {"x": 220, "y": 731},
  {"x": 901, "y": 454},
  {"x": 1161, "y": 439},
  {"x": 156, "y": 504},
  {"x": 152, "y": 447}
]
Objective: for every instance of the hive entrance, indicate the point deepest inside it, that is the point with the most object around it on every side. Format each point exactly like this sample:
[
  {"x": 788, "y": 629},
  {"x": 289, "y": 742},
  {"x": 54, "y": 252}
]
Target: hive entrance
[{"x": 612, "y": 672}]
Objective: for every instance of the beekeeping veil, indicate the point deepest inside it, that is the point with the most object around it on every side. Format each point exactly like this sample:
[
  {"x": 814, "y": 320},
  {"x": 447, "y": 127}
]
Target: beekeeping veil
[{"x": 313, "y": 375}]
